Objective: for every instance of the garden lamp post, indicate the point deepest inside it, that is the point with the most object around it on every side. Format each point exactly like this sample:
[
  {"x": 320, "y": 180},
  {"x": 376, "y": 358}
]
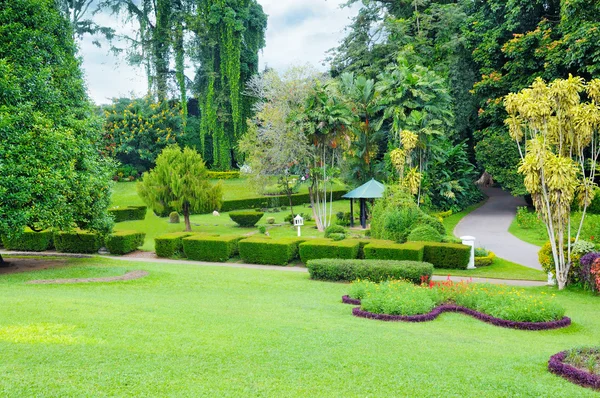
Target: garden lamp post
[
  {"x": 298, "y": 222},
  {"x": 470, "y": 241}
]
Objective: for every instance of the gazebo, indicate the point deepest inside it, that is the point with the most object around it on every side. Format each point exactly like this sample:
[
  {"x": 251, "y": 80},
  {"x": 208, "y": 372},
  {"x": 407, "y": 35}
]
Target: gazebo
[{"x": 369, "y": 190}]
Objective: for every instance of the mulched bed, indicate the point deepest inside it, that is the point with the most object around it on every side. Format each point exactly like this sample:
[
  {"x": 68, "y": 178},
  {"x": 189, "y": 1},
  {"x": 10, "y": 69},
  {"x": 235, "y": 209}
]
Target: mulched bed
[
  {"x": 127, "y": 277},
  {"x": 571, "y": 373},
  {"x": 564, "y": 322}
]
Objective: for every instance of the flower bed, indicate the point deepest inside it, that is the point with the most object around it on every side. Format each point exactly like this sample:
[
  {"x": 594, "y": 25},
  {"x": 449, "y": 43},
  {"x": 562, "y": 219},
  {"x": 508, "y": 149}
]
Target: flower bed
[
  {"x": 498, "y": 305},
  {"x": 557, "y": 365}
]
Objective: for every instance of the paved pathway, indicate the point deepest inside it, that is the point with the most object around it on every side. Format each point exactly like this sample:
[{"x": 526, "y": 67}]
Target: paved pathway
[{"x": 489, "y": 225}]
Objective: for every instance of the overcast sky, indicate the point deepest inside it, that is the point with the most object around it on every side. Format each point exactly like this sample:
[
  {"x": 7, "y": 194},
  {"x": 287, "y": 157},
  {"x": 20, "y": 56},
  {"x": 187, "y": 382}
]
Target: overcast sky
[{"x": 299, "y": 32}]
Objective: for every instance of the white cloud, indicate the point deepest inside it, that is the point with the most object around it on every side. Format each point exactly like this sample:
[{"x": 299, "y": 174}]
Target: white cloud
[{"x": 298, "y": 32}]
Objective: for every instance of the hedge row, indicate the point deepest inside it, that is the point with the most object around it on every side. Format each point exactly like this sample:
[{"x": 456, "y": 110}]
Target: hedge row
[
  {"x": 124, "y": 242},
  {"x": 169, "y": 245},
  {"x": 223, "y": 175},
  {"x": 210, "y": 248},
  {"x": 77, "y": 242},
  {"x": 128, "y": 213},
  {"x": 326, "y": 248},
  {"x": 272, "y": 201},
  {"x": 264, "y": 250},
  {"x": 384, "y": 250},
  {"x": 374, "y": 270},
  {"x": 30, "y": 241}
]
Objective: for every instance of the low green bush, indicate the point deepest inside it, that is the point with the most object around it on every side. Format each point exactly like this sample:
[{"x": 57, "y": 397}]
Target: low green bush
[
  {"x": 447, "y": 255},
  {"x": 77, "y": 241},
  {"x": 326, "y": 248},
  {"x": 210, "y": 248},
  {"x": 174, "y": 217},
  {"x": 223, "y": 175},
  {"x": 246, "y": 219},
  {"x": 29, "y": 241},
  {"x": 485, "y": 260},
  {"x": 337, "y": 236},
  {"x": 334, "y": 229},
  {"x": 169, "y": 245},
  {"x": 264, "y": 250},
  {"x": 373, "y": 270},
  {"x": 424, "y": 233},
  {"x": 270, "y": 220},
  {"x": 124, "y": 242},
  {"x": 272, "y": 201},
  {"x": 387, "y": 250},
  {"x": 128, "y": 213}
]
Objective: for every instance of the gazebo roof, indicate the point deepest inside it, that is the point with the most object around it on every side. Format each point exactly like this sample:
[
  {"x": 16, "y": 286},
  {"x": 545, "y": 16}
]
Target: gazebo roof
[{"x": 369, "y": 190}]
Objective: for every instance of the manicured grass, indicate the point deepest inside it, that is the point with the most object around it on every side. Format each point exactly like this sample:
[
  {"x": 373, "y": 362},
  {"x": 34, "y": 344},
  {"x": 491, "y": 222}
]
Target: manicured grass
[
  {"x": 192, "y": 331},
  {"x": 536, "y": 236},
  {"x": 452, "y": 221},
  {"x": 500, "y": 269}
]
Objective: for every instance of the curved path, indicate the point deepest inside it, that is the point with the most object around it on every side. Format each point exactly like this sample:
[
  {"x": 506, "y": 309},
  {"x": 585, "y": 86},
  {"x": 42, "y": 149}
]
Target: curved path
[{"x": 489, "y": 225}]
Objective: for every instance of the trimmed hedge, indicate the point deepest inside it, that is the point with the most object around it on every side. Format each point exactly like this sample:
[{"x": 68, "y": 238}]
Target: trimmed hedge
[
  {"x": 128, "y": 213},
  {"x": 272, "y": 201},
  {"x": 484, "y": 261},
  {"x": 29, "y": 241},
  {"x": 168, "y": 245},
  {"x": 124, "y": 242},
  {"x": 223, "y": 175},
  {"x": 264, "y": 250},
  {"x": 387, "y": 250},
  {"x": 210, "y": 248},
  {"x": 77, "y": 242},
  {"x": 246, "y": 219},
  {"x": 373, "y": 270},
  {"x": 447, "y": 255},
  {"x": 326, "y": 248}
]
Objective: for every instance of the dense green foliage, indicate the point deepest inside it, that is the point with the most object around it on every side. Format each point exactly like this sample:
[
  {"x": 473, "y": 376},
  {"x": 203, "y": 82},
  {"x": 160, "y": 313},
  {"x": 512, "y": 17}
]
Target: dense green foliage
[
  {"x": 51, "y": 173},
  {"x": 210, "y": 248},
  {"x": 246, "y": 219},
  {"x": 327, "y": 248},
  {"x": 373, "y": 270},
  {"x": 77, "y": 242},
  {"x": 128, "y": 213},
  {"x": 263, "y": 250},
  {"x": 124, "y": 242},
  {"x": 383, "y": 250},
  {"x": 273, "y": 201},
  {"x": 171, "y": 244},
  {"x": 447, "y": 255},
  {"x": 424, "y": 233},
  {"x": 29, "y": 241}
]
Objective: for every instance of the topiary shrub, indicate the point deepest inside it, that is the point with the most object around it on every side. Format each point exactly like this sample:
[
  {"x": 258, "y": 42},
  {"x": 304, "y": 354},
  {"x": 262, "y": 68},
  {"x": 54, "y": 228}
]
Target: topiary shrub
[
  {"x": 264, "y": 250},
  {"x": 210, "y": 248},
  {"x": 270, "y": 220},
  {"x": 433, "y": 222},
  {"x": 334, "y": 229},
  {"x": 174, "y": 217},
  {"x": 373, "y": 270},
  {"x": 29, "y": 241},
  {"x": 424, "y": 233},
  {"x": 447, "y": 255},
  {"x": 246, "y": 219},
  {"x": 326, "y": 248},
  {"x": 128, "y": 213},
  {"x": 483, "y": 258},
  {"x": 262, "y": 229},
  {"x": 77, "y": 242},
  {"x": 169, "y": 245},
  {"x": 388, "y": 250},
  {"x": 337, "y": 236},
  {"x": 124, "y": 242}
]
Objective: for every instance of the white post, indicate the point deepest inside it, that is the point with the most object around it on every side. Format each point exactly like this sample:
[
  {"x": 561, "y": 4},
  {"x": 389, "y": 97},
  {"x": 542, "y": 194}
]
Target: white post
[
  {"x": 470, "y": 241},
  {"x": 298, "y": 230},
  {"x": 551, "y": 281}
]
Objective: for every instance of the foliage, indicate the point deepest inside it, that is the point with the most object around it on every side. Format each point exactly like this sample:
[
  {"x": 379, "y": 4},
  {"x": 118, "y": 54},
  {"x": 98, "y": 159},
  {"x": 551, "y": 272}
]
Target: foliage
[
  {"x": 553, "y": 129},
  {"x": 447, "y": 255},
  {"x": 484, "y": 260},
  {"x": 326, "y": 248},
  {"x": 246, "y": 219},
  {"x": 337, "y": 236},
  {"x": 271, "y": 201},
  {"x": 30, "y": 241},
  {"x": 124, "y": 242},
  {"x": 587, "y": 358},
  {"x": 334, "y": 229},
  {"x": 170, "y": 245},
  {"x": 263, "y": 250},
  {"x": 595, "y": 274},
  {"x": 179, "y": 182},
  {"x": 77, "y": 242},
  {"x": 51, "y": 173},
  {"x": 585, "y": 270},
  {"x": 270, "y": 220},
  {"x": 128, "y": 213},
  {"x": 527, "y": 219},
  {"x": 385, "y": 250},
  {"x": 174, "y": 217},
  {"x": 210, "y": 248},
  {"x": 223, "y": 175},
  {"x": 424, "y": 233},
  {"x": 374, "y": 270}
]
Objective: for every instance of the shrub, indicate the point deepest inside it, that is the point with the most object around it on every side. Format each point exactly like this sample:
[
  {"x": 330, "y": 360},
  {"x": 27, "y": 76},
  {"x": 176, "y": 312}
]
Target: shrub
[
  {"x": 334, "y": 229},
  {"x": 210, "y": 248},
  {"x": 424, "y": 233},
  {"x": 174, "y": 217},
  {"x": 124, "y": 242},
  {"x": 326, "y": 248},
  {"x": 585, "y": 270},
  {"x": 272, "y": 201},
  {"x": 527, "y": 219},
  {"x": 433, "y": 222},
  {"x": 263, "y": 250},
  {"x": 447, "y": 255},
  {"x": 337, "y": 236},
  {"x": 262, "y": 229},
  {"x": 169, "y": 245},
  {"x": 77, "y": 242},
  {"x": 246, "y": 218},
  {"x": 223, "y": 175},
  {"x": 128, "y": 213},
  {"x": 386, "y": 250},
  {"x": 485, "y": 259},
  {"x": 271, "y": 220},
  {"x": 594, "y": 207},
  {"x": 374, "y": 270},
  {"x": 29, "y": 241}
]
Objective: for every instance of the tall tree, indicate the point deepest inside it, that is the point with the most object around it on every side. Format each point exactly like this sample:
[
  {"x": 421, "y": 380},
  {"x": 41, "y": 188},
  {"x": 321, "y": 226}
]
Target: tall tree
[{"x": 51, "y": 172}]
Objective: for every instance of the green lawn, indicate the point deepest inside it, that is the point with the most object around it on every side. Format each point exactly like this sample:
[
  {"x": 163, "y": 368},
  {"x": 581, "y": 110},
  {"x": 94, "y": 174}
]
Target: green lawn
[
  {"x": 500, "y": 269},
  {"x": 195, "y": 331},
  {"x": 536, "y": 236}
]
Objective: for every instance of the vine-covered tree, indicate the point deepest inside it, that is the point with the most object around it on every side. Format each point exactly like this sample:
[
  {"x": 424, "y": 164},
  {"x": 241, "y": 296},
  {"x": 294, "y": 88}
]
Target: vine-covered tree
[
  {"x": 180, "y": 182},
  {"x": 51, "y": 172}
]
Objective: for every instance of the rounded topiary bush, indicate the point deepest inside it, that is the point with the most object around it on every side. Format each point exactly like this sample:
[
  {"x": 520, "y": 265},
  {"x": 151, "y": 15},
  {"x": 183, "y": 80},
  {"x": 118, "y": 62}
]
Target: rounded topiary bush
[
  {"x": 424, "y": 233},
  {"x": 174, "y": 217},
  {"x": 334, "y": 229},
  {"x": 336, "y": 236},
  {"x": 245, "y": 218},
  {"x": 270, "y": 220}
]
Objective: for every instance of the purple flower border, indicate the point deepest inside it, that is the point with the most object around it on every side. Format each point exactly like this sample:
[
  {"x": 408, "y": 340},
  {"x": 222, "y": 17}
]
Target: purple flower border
[
  {"x": 571, "y": 373},
  {"x": 561, "y": 323}
]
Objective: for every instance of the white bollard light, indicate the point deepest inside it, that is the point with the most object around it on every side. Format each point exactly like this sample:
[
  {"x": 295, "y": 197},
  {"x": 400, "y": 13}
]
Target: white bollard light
[
  {"x": 298, "y": 222},
  {"x": 470, "y": 241}
]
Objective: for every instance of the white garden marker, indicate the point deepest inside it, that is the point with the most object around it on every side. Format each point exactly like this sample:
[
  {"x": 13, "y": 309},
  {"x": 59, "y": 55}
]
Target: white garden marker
[
  {"x": 298, "y": 222},
  {"x": 470, "y": 241},
  {"x": 551, "y": 281}
]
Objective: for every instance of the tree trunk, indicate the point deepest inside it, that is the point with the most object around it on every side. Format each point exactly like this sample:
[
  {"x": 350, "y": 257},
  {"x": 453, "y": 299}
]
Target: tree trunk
[
  {"x": 312, "y": 204},
  {"x": 186, "y": 217}
]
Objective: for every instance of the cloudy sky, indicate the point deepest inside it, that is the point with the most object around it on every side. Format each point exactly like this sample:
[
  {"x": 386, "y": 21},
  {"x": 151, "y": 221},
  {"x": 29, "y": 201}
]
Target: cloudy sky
[{"x": 299, "y": 32}]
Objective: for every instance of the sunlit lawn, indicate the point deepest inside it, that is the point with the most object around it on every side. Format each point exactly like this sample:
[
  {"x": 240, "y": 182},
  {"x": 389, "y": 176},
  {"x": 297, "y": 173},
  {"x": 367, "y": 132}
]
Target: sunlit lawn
[{"x": 200, "y": 331}]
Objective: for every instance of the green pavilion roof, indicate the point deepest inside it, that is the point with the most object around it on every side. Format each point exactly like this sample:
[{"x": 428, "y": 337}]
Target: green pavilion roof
[{"x": 369, "y": 190}]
